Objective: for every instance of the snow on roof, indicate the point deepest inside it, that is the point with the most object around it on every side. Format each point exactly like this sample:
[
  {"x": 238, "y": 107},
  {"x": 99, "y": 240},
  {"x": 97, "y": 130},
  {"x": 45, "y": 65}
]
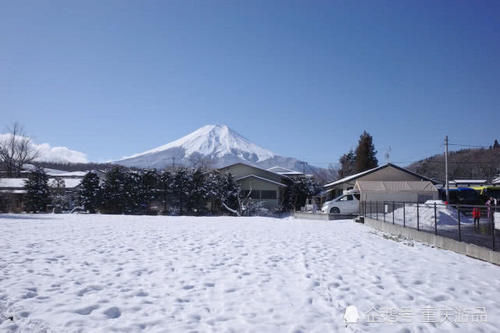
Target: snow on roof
[
  {"x": 69, "y": 182},
  {"x": 12, "y": 182},
  {"x": 395, "y": 186},
  {"x": 284, "y": 171},
  {"x": 496, "y": 181},
  {"x": 255, "y": 167},
  {"x": 469, "y": 181},
  {"x": 348, "y": 178},
  {"x": 261, "y": 178},
  {"x": 13, "y": 191},
  {"x": 19, "y": 182},
  {"x": 61, "y": 173}
]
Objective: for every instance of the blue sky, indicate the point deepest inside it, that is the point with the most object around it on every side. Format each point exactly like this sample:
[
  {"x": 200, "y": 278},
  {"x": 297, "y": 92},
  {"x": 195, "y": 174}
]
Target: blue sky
[{"x": 301, "y": 78}]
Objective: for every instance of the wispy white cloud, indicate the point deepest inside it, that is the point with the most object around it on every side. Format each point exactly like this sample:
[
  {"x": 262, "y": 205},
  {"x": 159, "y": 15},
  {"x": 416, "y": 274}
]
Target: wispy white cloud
[{"x": 47, "y": 153}]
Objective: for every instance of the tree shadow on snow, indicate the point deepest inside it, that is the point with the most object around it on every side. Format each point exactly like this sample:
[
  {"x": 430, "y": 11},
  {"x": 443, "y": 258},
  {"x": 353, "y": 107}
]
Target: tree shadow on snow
[{"x": 25, "y": 217}]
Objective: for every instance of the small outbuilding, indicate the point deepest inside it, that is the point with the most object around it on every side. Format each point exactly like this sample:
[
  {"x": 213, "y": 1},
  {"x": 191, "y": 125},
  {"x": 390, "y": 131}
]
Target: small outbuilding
[{"x": 388, "y": 182}]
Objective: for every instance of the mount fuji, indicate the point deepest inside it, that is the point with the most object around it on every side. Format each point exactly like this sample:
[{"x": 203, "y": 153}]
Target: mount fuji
[{"x": 213, "y": 145}]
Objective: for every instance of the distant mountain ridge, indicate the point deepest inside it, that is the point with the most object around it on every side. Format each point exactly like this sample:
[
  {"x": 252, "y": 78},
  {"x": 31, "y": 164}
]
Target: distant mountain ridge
[
  {"x": 215, "y": 145},
  {"x": 462, "y": 164}
]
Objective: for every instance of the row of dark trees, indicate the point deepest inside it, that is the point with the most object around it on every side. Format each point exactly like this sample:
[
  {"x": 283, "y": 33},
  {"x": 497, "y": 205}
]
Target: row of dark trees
[
  {"x": 180, "y": 192},
  {"x": 174, "y": 192}
]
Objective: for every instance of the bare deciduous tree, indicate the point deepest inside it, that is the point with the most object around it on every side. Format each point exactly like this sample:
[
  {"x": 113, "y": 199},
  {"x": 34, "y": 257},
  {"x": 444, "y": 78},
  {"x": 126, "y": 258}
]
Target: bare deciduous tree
[{"x": 16, "y": 150}]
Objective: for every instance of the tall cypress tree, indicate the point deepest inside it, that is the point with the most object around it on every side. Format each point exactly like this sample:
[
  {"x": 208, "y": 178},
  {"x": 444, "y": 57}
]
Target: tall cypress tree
[
  {"x": 347, "y": 165},
  {"x": 37, "y": 191},
  {"x": 89, "y": 194},
  {"x": 365, "y": 153},
  {"x": 115, "y": 198}
]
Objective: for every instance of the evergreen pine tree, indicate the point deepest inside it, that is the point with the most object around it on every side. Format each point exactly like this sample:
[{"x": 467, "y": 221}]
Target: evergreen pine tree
[
  {"x": 115, "y": 198},
  {"x": 347, "y": 165},
  {"x": 165, "y": 189},
  {"x": 496, "y": 145},
  {"x": 298, "y": 191},
  {"x": 197, "y": 199},
  {"x": 228, "y": 192},
  {"x": 180, "y": 188},
  {"x": 150, "y": 182},
  {"x": 133, "y": 193},
  {"x": 37, "y": 191},
  {"x": 89, "y": 194},
  {"x": 365, "y": 153},
  {"x": 58, "y": 196}
]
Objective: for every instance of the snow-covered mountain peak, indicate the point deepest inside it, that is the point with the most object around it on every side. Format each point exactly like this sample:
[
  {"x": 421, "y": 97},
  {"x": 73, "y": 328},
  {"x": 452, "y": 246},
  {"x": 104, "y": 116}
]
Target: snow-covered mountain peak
[
  {"x": 218, "y": 145},
  {"x": 213, "y": 141}
]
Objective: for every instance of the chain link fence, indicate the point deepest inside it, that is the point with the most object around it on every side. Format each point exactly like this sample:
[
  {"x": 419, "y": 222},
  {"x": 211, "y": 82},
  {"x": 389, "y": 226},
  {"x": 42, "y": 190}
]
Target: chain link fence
[{"x": 473, "y": 224}]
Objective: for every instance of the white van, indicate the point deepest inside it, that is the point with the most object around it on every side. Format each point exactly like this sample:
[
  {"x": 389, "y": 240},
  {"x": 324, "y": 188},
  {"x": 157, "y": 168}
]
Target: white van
[{"x": 347, "y": 203}]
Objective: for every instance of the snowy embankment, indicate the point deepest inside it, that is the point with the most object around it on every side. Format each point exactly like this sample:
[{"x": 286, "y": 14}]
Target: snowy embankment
[
  {"x": 83, "y": 273},
  {"x": 446, "y": 216}
]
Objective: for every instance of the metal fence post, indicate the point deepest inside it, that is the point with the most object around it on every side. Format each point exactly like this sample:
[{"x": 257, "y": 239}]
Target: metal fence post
[
  {"x": 418, "y": 219},
  {"x": 435, "y": 220},
  {"x": 376, "y": 210},
  {"x": 383, "y": 207},
  {"x": 393, "y": 212},
  {"x": 492, "y": 229},
  {"x": 459, "y": 229},
  {"x": 404, "y": 214}
]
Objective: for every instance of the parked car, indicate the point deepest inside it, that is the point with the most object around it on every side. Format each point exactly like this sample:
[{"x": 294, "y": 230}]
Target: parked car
[
  {"x": 462, "y": 196},
  {"x": 345, "y": 204}
]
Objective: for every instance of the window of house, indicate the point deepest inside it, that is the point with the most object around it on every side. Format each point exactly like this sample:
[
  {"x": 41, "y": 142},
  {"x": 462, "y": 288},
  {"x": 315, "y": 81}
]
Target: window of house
[
  {"x": 346, "y": 198},
  {"x": 254, "y": 194},
  {"x": 268, "y": 195}
]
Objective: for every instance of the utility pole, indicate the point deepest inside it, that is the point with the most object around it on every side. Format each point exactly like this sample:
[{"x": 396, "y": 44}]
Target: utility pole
[
  {"x": 446, "y": 168},
  {"x": 173, "y": 162}
]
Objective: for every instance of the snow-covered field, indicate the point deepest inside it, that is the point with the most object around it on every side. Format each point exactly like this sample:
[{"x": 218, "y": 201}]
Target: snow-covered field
[{"x": 84, "y": 273}]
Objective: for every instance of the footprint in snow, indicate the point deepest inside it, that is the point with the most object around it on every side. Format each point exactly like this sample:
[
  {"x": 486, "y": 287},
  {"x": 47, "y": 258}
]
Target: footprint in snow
[
  {"x": 86, "y": 310},
  {"x": 113, "y": 312}
]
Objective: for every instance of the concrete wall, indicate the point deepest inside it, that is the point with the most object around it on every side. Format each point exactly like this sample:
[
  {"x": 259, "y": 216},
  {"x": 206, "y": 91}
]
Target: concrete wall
[
  {"x": 311, "y": 216},
  {"x": 470, "y": 250}
]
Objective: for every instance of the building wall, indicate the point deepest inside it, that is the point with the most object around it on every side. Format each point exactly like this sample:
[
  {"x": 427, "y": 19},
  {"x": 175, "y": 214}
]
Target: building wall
[
  {"x": 242, "y": 170},
  {"x": 399, "y": 196},
  {"x": 260, "y": 185},
  {"x": 389, "y": 174}
]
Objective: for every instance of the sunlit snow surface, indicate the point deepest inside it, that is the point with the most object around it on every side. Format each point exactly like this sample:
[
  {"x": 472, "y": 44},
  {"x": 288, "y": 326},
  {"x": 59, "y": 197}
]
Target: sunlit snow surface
[{"x": 98, "y": 273}]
